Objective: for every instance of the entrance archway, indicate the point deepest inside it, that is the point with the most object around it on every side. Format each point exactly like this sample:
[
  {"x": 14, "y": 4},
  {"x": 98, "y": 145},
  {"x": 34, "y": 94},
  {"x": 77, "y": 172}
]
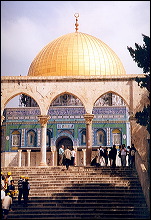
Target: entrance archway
[{"x": 64, "y": 140}]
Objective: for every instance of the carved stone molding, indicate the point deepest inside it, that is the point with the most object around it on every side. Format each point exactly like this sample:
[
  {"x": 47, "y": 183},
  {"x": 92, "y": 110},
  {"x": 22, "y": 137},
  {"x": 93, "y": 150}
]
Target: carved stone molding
[
  {"x": 2, "y": 119},
  {"x": 43, "y": 119},
  {"x": 88, "y": 118}
]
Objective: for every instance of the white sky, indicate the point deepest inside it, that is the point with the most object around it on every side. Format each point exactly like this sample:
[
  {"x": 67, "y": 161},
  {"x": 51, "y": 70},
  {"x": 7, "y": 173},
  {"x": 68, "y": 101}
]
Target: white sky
[{"x": 28, "y": 26}]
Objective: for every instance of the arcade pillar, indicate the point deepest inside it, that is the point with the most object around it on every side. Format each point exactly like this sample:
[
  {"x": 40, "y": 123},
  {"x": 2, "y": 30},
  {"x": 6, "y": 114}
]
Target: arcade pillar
[
  {"x": 43, "y": 121},
  {"x": 88, "y": 119}
]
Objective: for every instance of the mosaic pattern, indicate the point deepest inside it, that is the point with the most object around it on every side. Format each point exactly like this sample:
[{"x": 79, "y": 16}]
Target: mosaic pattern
[
  {"x": 109, "y": 111},
  {"x": 66, "y": 113}
]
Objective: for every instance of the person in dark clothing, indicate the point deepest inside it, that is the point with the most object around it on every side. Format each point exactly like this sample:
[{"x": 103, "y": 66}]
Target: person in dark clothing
[
  {"x": 67, "y": 154},
  {"x": 106, "y": 156},
  {"x": 110, "y": 156},
  {"x": 94, "y": 162},
  {"x": 26, "y": 188},
  {"x": 132, "y": 156},
  {"x": 11, "y": 188},
  {"x": 20, "y": 189},
  {"x": 113, "y": 155},
  {"x": 101, "y": 152}
]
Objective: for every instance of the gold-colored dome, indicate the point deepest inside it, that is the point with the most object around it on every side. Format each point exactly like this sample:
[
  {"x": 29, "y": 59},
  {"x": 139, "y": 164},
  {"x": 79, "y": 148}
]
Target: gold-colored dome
[{"x": 76, "y": 54}]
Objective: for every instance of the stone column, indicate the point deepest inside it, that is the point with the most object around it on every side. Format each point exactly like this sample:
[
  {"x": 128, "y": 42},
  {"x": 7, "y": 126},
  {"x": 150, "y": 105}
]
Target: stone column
[
  {"x": 28, "y": 158},
  {"x": 43, "y": 121},
  {"x": 2, "y": 119},
  {"x": 88, "y": 119},
  {"x": 19, "y": 158},
  {"x": 84, "y": 157},
  {"x": 53, "y": 150},
  {"x": 128, "y": 133}
]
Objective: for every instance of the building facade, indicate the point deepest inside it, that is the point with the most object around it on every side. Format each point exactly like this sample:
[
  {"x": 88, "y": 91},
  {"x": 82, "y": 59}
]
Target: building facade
[{"x": 77, "y": 94}]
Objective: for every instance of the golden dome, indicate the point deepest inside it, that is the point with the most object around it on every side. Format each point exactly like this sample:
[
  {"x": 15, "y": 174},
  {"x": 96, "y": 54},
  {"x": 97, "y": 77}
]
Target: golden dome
[{"x": 76, "y": 54}]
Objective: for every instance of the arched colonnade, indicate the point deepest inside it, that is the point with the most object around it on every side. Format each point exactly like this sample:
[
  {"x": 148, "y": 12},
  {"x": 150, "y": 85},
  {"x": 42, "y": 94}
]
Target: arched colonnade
[{"x": 46, "y": 89}]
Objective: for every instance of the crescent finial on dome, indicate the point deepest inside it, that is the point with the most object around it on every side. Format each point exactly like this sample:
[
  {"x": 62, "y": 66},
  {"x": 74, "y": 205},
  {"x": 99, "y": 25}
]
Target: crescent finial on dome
[{"x": 76, "y": 24}]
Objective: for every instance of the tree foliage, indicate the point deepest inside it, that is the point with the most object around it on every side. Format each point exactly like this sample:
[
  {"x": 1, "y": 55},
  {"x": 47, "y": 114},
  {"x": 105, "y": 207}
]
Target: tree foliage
[
  {"x": 143, "y": 117},
  {"x": 141, "y": 55}
]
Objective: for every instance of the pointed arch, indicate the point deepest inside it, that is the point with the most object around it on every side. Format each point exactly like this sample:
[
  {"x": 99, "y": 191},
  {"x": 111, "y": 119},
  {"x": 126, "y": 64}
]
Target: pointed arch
[
  {"x": 16, "y": 138},
  {"x": 66, "y": 99},
  {"x": 116, "y": 136},
  {"x": 110, "y": 95},
  {"x": 31, "y": 138},
  {"x": 101, "y": 137}
]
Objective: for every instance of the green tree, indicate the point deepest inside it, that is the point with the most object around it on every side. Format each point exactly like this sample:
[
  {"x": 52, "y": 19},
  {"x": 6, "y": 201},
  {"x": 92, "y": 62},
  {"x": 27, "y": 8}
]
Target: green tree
[{"x": 141, "y": 55}]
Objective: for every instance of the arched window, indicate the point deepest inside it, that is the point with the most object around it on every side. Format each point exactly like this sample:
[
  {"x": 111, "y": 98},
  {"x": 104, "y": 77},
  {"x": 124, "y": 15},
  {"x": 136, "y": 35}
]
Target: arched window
[
  {"x": 101, "y": 137},
  {"x": 110, "y": 99},
  {"x": 116, "y": 134},
  {"x": 15, "y": 138},
  {"x": 31, "y": 138},
  {"x": 83, "y": 137},
  {"x": 48, "y": 138}
]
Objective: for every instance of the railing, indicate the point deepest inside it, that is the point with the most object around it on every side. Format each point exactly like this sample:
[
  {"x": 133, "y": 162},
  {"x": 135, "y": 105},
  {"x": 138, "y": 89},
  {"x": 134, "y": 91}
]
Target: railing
[{"x": 143, "y": 177}]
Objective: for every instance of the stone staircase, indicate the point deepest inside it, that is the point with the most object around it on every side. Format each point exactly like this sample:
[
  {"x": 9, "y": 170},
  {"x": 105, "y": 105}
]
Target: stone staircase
[{"x": 80, "y": 193}]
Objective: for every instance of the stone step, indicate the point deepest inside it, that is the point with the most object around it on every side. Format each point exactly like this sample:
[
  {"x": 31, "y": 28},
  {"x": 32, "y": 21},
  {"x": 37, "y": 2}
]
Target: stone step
[
  {"x": 51, "y": 192},
  {"x": 93, "y": 190},
  {"x": 72, "y": 216},
  {"x": 68, "y": 177},
  {"x": 123, "y": 183},
  {"x": 83, "y": 181},
  {"x": 93, "y": 199},
  {"x": 86, "y": 168},
  {"x": 72, "y": 173},
  {"x": 73, "y": 170},
  {"x": 76, "y": 176},
  {"x": 79, "y": 196},
  {"x": 80, "y": 193},
  {"x": 88, "y": 186},
  {"x": 46, "y": 201},
  {"x": 35, "y": 203},
  {"x": 66, "y": 186},
  {"x": 133, "y": 209}
]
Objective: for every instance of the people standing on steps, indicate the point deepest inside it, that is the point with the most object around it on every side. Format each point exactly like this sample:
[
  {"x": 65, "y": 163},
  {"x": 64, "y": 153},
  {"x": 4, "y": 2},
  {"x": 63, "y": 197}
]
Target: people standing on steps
[
  {"x": 128, "y": 155},
  {"x": 67, "y": 154},
  {"x": 2, "y": 197},
  {"x": 73, "y": 157},
  {"x": 113, "y": 153},
  {"x": 132, "y": 156},
  {"x": 2, "y": 193},
  {"x": 123, "y": 155},
  {"x": 7, "y": 181},
  {"x": 26, "y": 188},
  {"x": 101, "y": 156},
  {"x": 119, "y": 154},
  {"x": 3, "y": 179},
  {"x": 95, "y": 162},
  {"x": 6, "y": 205},
  {"x": 61, "y": 155},
  {"x": 20, "y": 189},
  {"x": 106, "y": 156},
  {"x": 11, "y": 188},
  {"x": 110, "y": 156}
]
